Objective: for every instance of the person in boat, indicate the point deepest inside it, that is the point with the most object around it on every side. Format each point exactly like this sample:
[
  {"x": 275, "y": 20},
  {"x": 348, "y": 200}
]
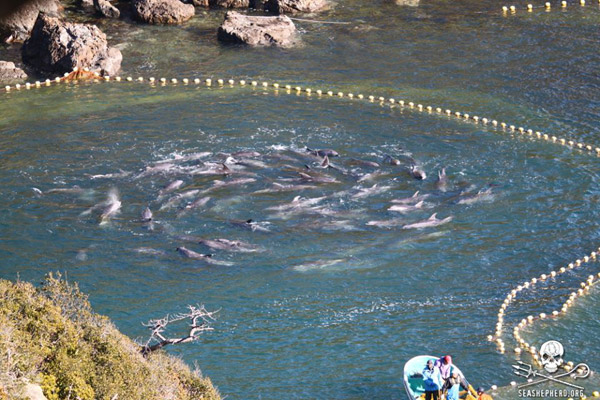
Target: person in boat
[
  {"x": 432, "y": 381},
  {"x": 445, "y": 366},
  {"x": 453, "y": 385},
  {"x": 481, "y": 395}
]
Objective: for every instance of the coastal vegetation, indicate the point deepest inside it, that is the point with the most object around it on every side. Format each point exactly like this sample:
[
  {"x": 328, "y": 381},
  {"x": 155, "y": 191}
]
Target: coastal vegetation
[{"x": 51, "y": 337}]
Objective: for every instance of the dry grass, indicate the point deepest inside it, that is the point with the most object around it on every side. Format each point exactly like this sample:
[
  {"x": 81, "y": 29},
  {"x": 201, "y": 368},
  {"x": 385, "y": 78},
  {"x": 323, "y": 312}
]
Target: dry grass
[{"x": 51, "y": 336}]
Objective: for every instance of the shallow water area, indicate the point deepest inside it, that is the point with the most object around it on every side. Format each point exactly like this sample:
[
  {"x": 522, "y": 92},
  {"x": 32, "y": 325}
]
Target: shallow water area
[{"x": 327, "y": 305}]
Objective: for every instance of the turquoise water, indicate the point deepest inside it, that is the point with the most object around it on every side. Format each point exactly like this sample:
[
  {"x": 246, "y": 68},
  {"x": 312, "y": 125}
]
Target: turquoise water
[{"x": 328, "y": 306}]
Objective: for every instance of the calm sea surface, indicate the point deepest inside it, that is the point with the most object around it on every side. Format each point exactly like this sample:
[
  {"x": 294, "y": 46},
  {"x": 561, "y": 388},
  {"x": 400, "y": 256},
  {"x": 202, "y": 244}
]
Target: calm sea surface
[{"x": 329, "y": 304}]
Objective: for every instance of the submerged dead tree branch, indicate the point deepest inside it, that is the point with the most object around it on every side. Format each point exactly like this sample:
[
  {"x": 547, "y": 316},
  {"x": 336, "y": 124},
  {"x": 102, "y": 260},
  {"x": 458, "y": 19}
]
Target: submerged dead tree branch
[{"x": 200, "y": 320}]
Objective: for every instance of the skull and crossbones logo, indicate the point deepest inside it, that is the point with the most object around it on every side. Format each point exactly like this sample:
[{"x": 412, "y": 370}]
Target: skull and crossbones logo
[{"x": 551, "y": 354}]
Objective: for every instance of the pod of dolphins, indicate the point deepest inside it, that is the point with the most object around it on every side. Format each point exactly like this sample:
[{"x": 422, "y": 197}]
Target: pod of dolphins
[{"x": 193, "y": 179}]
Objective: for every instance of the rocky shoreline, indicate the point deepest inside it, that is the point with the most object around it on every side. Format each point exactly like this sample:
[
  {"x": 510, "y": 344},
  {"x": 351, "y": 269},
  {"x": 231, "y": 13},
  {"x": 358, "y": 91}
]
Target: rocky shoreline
[{"x": 52, "y": 44}]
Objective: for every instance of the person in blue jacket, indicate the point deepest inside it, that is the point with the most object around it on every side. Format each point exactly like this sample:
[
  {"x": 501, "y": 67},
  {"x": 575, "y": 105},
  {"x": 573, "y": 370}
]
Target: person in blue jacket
[{"x": 432, "y": 380}]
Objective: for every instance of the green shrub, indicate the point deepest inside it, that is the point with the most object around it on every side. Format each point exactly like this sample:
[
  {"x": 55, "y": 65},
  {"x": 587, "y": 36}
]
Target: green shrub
[{"x": 51, "y": 336}]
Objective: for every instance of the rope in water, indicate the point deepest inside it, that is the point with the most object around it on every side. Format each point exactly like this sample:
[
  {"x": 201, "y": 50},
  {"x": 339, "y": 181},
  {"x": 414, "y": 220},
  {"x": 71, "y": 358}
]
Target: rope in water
[{"x": 77, "y": 74}]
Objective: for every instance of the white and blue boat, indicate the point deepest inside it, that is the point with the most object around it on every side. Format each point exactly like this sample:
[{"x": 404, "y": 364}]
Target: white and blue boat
[{"x": 413, "y": 379}]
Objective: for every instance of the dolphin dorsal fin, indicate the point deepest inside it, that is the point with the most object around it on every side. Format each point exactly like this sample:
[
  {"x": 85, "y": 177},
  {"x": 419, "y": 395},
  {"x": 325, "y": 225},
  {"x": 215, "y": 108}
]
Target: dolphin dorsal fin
[
  {"x": 433, "y": 217},
  {"x": 419, "y": 204},
  {"x": 249, "y": 221},
  {"x": 296, "y": 199},
  {"x": 416, "y": 194},
  {"x": 325, "y": 162}
]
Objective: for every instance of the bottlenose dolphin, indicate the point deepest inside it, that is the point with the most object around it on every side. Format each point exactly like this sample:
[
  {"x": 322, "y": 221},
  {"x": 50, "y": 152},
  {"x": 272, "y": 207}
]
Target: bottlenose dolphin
[
  {"x": 192, "y": 254},
  {"x": 404, "y": 208},
  {"x": 278, "y": 187},
  {"x": 171, "y": 187},
  {"x": 417, "y": 172},
  {"x": 178, "y": 198},
  {"x": 185, "y": 158},
  {"x": 373, "y": 190},
  {"x": 297, "y": 203},
  {"x": 430, "y": 222},
  {"x": 415, "y": 198},
  {"x": 371, "y": 176},
  {"x": 390, "y": 160},
  {"x": 246, "y": 154},
  {"x": 149, "y": 251},
  {"x": 442, "y": 181},
  {"x": 199, "y": 202},
  {"x": 147, "y": 215},
  {"x": 113, "y": 205},
  {"x": 320, "y": 264},
  {"x": 323, "y": 152},
  {"x": 72, "y": 190},
  {"x": 322, "y": 178},
  {"x": 482, "y": 195},
  {"x": 230, "y": 245},
  {"x": 388, "y": 223},
  {"x": 122, "y": 174},
  {"x": 364, "y": 163},
  {"x": 252, "y": 225},
  {"x": 156, "y": 169},
  {"x": 109, "y": 207}
]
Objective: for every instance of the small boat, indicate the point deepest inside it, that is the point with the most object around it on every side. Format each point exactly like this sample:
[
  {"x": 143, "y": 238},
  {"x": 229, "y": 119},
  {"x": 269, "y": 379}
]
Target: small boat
[{"x": 413, "y": 379}]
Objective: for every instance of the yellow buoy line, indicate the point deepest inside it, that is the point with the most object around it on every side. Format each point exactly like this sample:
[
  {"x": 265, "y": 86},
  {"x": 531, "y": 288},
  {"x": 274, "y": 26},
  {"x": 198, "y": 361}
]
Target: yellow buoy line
[
  {"x": 547, "y": 6},
  {"x": 513, "y": 294},
  {"x": 392, "y": 103}
]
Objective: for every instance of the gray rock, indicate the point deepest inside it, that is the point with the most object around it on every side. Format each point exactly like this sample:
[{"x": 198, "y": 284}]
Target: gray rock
[
  {"x": 104, "y": 8},
  {"x": 162, "y": 11},
  {"x": 17, "y": 25},
  {"x": 295, "y": 6},
  {"x": 87, "y": 6},
  {"x": 57, "y": 46},
  {"x": 197, "y": 3},
  {"x": 32, "y": 392},
  {"x": 230, "y": 3},
  {"x": 223, "y": 3},
  {"x": 257, "y": 31},
  {"x": 9, "y": 72}
]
